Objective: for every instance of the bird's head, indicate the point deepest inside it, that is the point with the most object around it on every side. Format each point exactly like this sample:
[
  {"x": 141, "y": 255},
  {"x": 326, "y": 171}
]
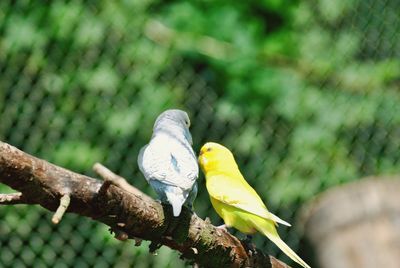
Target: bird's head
[
  {"x": 174, "y": 120},
  {"x": 174, "y": 116},
  {"x": 216, "y": 157}
]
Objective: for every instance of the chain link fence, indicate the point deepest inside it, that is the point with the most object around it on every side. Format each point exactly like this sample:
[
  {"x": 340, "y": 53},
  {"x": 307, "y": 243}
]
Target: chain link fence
[{"x": 305, "y": 94}]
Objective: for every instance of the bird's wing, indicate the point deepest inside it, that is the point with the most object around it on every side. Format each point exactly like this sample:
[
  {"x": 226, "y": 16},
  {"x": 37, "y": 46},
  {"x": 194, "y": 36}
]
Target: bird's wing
[
  {"x": 238, "y": 193},
  {"x": 183, "y": 169},
  {"x": 170, "y": 163},
  {"x": 140, "y": 160}
]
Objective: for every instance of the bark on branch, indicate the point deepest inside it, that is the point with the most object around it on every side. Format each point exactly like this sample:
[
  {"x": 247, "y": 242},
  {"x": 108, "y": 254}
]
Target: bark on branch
[{"x": 131, "y": 212}]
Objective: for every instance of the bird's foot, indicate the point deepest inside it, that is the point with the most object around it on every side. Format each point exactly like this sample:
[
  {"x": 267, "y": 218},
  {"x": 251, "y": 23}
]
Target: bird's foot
[
  {"x": 248, "y": 239},
  {"x": 249, "y": 245},
  {"x": 223, "y": 227},
  {"x": 153, "y": 247},
  {"x": 119, "y": 234}
]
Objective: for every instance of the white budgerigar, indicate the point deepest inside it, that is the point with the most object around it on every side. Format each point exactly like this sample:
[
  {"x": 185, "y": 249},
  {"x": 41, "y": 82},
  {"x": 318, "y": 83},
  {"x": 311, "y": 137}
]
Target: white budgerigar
[{"x": 168, "y": 162}]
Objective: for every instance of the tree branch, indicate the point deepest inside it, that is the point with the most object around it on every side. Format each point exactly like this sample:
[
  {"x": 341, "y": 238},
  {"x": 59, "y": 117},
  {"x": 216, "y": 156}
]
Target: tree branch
[
  {"x": 12, "y": 199},
  {"x": 128, "y": 211}
]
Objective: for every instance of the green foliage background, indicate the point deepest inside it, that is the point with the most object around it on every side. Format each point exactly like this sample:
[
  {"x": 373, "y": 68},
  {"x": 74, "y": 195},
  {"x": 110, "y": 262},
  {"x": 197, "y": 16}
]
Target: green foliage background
[{"x": 306, "y": 94}]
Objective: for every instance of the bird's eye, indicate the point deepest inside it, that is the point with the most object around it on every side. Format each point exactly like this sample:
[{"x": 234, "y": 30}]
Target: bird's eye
[
  {"x": 187, "y": 122},
  {"x": 208, "y": 149}
]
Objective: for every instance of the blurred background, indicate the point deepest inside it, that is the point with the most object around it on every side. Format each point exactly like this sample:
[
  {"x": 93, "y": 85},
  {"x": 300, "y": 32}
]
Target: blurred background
[{"x": 305, "y": 93}]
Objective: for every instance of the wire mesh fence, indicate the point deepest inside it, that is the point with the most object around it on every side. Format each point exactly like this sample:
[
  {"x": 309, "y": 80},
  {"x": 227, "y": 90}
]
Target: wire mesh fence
[{"x": 305, "y": 94}]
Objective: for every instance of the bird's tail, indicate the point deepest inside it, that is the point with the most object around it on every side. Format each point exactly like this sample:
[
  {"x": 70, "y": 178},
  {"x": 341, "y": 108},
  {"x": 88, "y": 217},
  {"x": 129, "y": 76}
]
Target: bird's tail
[
  {"x": 176, "y": 198},
  {"x": 268, "y": 229}
]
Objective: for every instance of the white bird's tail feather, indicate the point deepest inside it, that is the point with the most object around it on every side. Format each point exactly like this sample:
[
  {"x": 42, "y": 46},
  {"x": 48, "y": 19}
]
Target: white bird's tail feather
[{"x": 176, "y": 200}]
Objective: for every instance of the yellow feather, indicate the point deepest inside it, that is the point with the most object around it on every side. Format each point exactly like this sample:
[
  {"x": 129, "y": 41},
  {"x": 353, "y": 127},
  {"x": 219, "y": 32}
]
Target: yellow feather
[{"x": 235, "y": 201}]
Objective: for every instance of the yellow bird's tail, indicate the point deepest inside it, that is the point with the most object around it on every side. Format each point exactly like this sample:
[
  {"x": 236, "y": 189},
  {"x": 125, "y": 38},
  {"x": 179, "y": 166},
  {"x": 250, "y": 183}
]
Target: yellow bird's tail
[{"x": 267, "y": 228}]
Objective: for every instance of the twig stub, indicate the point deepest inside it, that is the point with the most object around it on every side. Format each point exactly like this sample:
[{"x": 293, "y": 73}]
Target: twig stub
[
  {"x": 110, "y": 177},
  {"x": 64, "y": 203},
  {"x": 12, "y": 199}
]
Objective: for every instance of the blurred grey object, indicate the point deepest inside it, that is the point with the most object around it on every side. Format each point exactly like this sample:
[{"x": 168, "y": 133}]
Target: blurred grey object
[{"x": 356, "y": 225}]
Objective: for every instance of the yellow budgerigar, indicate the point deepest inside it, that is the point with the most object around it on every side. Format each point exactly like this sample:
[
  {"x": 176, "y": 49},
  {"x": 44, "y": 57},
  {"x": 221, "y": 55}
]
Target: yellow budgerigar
[{"x": 235, "y": 200}]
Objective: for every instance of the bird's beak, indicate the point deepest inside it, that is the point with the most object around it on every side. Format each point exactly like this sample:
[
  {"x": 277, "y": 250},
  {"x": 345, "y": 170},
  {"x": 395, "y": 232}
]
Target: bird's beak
[
  {"x": 188, "y": 136},
  {"x": 202, "y": 159}
]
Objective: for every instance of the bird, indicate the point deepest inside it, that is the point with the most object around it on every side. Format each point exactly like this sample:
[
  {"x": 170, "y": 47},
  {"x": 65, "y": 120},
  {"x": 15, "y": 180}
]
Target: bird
[
  {"x": 168, "y": 161},
  {"x": 235, "y": 201}
]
